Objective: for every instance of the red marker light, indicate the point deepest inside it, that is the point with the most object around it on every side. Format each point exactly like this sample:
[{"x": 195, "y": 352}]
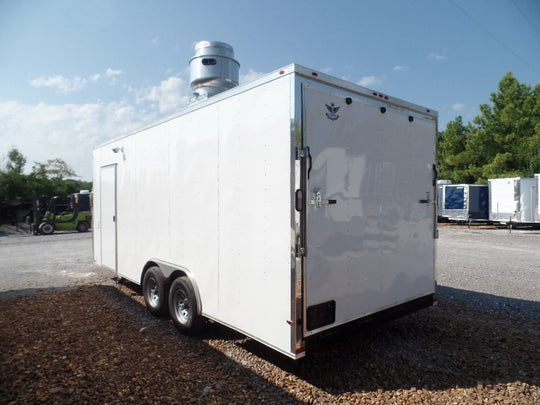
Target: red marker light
[
  {"x": 290, "y": 323},
  {"x": 314, "y": 74},
  {"x": 281, "y": 72}
]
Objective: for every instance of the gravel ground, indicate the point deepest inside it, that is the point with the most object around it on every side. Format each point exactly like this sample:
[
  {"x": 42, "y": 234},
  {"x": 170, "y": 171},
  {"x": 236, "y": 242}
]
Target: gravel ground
[
  {"x": 480, "y": 345},
  {"x": 29, "y": 264}
]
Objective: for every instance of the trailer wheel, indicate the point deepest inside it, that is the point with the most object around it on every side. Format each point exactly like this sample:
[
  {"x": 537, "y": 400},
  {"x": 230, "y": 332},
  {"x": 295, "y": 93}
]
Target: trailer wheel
[
  {"x": 82, "y": 227},
  {"x": 46, "y": 228},
  {"x": 183, "y": 307},
  {"x": 155, "y": 292}
]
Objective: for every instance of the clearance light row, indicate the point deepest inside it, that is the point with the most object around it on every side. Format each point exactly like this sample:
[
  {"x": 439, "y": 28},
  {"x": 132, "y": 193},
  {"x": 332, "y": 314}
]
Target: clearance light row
[{"x": 375, "y": 94}]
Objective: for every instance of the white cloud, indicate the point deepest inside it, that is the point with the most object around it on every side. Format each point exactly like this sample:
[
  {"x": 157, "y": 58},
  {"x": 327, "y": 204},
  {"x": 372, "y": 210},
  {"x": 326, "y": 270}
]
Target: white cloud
[
  {"x": 61, "y": 84},
  {"x": 250, "y": 76},
  {"x": 70, "y": 131},
  {"x": 399, "y": 68},
  {"x": 168, "y": 95},
  {"x": 438, "y": 56},
  {"x": 155, "y": 40},
  {"x": 326, "y": 70},
  {"x": 113, "y": 72},
  {"x": 458, "y": 107},
  {"x": 368, "y": 81}
]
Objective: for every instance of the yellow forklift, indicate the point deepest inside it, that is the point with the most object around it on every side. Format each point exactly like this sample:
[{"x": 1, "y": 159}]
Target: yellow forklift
[{"x": 63, "y": 213}]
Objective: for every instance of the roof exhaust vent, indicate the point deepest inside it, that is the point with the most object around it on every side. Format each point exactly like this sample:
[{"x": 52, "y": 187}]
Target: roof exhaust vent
[{"x": 213, "y": 69}]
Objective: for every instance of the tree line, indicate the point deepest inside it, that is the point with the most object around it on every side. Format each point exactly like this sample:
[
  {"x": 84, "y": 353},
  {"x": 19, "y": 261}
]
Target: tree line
[
  {"x": 503, "y": 141},
  {"x": 55, "y": 177}
]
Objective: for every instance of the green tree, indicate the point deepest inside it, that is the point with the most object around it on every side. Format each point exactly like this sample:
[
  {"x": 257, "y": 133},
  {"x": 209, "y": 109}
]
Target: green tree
[
  {"x": 53, "y": 169},
  {"x": 16, "y": 161},
  {"x": 453, "y": 154},
  {"x": 13, "y": 182},
  {"x": 55, "y": 177},
  {"x": 506, "y": 130},
  {"x": 503, "y": 141}
]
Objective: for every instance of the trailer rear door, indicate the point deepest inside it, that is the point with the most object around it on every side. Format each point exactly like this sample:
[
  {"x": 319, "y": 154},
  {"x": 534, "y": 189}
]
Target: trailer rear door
[{"x": 370, "y": 212}]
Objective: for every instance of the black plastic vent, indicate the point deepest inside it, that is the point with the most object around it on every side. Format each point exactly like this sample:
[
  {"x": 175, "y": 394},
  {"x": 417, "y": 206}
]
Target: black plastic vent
[{"x": 321, "y": 315}]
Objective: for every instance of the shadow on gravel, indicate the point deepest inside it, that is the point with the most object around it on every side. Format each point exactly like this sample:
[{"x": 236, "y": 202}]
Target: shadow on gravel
[
  {"x": 31, "y": 291},
  {"x": 98, "y": 344},
  {"x": 469, "y": 339}
]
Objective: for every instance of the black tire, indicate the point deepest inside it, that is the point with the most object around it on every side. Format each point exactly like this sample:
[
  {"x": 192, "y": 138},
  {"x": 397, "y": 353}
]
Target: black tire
[
  {"x": 46, "y": 228},
  {"x": 82, "y": 227},
  {"x": 155, "y": 292},
  {"x": 183, "y": 307}
]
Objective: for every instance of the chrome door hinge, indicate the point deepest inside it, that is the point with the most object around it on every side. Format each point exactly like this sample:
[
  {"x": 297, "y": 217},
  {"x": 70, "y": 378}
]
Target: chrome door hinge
[
  {"x": 301, "y": 152},
  {"x": 300, "y": 250}
]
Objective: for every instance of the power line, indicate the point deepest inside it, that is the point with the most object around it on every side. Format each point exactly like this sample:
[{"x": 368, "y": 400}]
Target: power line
[
  {"x": 493, "y": 36},
  {"x": 526, "y": 18}
]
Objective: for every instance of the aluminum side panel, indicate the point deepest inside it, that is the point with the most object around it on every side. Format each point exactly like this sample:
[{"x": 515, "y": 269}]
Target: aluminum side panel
[
  {"x": 373, "y": 248},
  {"x": 255, "y": 224}
]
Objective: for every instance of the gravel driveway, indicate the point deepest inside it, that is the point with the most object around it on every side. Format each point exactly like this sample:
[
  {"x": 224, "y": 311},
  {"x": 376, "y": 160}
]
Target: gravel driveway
[
  {"x": 491, "y": 261},
  {"x": 98, "y": 344},
  {"x": 29, "y": 263}
]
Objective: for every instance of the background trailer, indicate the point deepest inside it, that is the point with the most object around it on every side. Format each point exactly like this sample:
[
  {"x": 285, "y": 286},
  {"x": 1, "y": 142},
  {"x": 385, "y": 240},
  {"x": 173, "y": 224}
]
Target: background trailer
[
  {"x": 461, "y": 202},
  {"x": 537, "y": 185},
  {"x": 282, "y": 208},
  {"x": 512, "y": 199}
]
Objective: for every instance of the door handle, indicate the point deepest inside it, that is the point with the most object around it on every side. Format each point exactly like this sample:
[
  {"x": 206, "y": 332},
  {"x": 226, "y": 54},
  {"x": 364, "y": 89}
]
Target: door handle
[
  {"x": 318, "y": 201},
  {"x": 310, "y": 160}
]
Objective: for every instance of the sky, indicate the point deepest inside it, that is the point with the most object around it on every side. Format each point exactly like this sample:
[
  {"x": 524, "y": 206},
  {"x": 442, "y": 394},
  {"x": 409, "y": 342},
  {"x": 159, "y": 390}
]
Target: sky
[{"x": 74, "y": 74}]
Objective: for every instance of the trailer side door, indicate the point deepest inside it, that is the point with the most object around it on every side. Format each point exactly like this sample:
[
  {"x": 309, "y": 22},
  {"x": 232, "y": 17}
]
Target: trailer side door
[{"x": 107, "y": 181}]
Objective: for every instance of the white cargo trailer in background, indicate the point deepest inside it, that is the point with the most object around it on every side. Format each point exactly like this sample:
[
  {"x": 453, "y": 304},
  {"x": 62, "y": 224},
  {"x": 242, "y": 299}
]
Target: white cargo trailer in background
[
  {"x": 282, "y": 208},
  {"x": 512, "y": 200},
  {"x": 464, "y": 202},
  {"x": 537, "y": 186},
  {"x": 440, "y": 195}
]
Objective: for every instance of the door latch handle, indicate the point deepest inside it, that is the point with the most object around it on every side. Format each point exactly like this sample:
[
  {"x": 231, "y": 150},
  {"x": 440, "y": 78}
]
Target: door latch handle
[
  {"x": 426, "y": 200},
  {"x": 318, "y": 201}
]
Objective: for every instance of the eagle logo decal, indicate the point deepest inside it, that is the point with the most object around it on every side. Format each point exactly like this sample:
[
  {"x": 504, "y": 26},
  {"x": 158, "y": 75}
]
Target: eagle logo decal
[{"x": 332, "y": 111}]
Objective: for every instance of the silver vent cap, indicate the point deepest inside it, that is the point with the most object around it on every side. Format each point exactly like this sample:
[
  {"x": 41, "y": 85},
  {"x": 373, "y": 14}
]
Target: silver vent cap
[{"x": 213, "y": 69}]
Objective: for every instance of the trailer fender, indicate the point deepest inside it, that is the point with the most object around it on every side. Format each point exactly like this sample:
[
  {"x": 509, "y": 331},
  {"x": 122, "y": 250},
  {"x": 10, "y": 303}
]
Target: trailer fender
[{"x": 171, "y": 272}]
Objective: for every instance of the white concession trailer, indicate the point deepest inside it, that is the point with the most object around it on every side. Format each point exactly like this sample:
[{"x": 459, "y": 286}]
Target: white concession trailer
[
  {"x": 513, "y": 199},
  {"x": 537, "y": 193},
  {"x": 282, "y": 208}
]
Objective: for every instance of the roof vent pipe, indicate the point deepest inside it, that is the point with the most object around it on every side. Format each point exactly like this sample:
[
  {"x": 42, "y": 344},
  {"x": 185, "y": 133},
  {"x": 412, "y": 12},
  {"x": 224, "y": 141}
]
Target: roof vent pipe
[{"x": 213, "y": 69}]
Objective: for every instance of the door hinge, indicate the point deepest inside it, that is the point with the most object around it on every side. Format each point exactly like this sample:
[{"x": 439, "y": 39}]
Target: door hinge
[
  {"x": 301, "y": 152},
  {"x": 300, "y": 250}
]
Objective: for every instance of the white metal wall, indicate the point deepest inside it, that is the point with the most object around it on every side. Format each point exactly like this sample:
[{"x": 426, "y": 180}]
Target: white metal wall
[{"x": 210, "y": 191}]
